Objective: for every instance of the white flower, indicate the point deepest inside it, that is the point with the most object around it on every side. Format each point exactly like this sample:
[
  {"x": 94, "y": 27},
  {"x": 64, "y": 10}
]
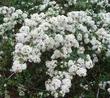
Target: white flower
[
  {"x": 24, "y": 15},
  {"x": 71, "y": 41},
  {"x": 24, "y": 29},
  {"x": 82, "y": 72},
  {"x": 66, "y": 82},
  {"x": 21, "y": 37},
  {"x": 59, "y": 38},
  {"x": 56, "y": 83},
  {"x": 70, "y": 63},
  {"x": 73, "y": 69},
  {"x": 88, "y": 64},
  {"x": 24, "y": 66},
  {"x": 5, "y": 19},
  {"x": 51, "y": 64},
  {"x": 57, "y": 54},
  {"x": 18, "y": 47},
  {"x": 82, "y": 28},
  {"x": 18, "y": 67},
  {"x": 80, "y": 61},
  {"x": 14, "y": 15},
  {"x": 26, "y": 50},
  {"x": 65, "y": 89},
  {"x": 19, "y": 11}
]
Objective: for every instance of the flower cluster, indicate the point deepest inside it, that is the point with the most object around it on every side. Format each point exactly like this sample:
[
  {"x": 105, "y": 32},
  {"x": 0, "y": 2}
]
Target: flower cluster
[
  {"x": 67, "y": 39},
  {"x": 11, "y": 18}
]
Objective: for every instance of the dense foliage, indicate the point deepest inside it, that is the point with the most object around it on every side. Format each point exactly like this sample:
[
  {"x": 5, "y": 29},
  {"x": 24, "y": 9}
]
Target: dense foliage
[{"x": 54, "y": 49}]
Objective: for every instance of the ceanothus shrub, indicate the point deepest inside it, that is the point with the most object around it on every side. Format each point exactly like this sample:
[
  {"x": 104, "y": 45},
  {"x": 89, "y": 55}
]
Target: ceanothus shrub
[{"x": 73, "y": 41}]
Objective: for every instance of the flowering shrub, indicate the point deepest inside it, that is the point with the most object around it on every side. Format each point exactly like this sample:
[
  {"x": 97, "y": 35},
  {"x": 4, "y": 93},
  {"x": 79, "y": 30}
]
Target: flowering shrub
[{"x": 63, "y": 40}]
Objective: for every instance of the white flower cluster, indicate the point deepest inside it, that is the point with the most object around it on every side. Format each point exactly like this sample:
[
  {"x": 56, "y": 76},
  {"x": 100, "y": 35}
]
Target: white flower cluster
[
  {"x": 41, "y": 33},
  {"x": 72, "y": 68},
  {"x": 11, "y": 18},
  {"x": 52, "y": 8},
  {"x": 73, "y": 43},
  {"x": 104, "y": 33},
  {"x": 59, "y": 84},
  {"x": 105, "y": 20}
]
